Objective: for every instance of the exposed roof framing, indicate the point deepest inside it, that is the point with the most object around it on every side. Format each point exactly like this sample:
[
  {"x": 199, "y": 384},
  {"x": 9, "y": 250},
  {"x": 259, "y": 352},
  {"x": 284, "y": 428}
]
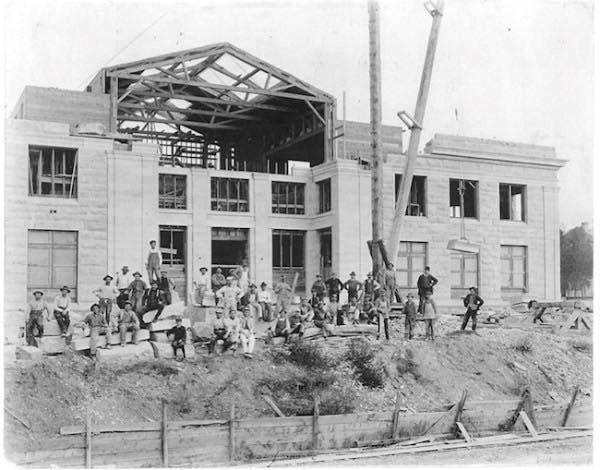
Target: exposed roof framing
[{"x": 217, "y": 87}]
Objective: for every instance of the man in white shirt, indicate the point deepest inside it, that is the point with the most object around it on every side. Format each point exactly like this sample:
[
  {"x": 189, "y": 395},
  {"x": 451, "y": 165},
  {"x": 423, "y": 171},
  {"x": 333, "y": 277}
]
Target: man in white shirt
[
  {"x": 124, "y": 280},
  {"x": 230, "y": 294},
  {"x": 202, "y": 285},
  {"x": 265, "y": 299},
  {"x": 62, "y": 307},
  {"x": 153, "y": 262},
  {"x": 106, "y": 295}
]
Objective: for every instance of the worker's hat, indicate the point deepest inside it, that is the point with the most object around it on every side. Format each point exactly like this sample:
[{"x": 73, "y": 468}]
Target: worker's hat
[
  {"x": 219, "y": 310},
  {"x": 108, "y": 276},
  {"x": 352, "y": 273},
  {"x": 152, "y": 241},
  {"x": 178, "y": 318},
  {"x": 137, "y": 273},
  {"x": 163, "y": 271},
  {"x": 125, "y": 266},
  {"x": 426, "y": 268},
  {"x": 65, "y": 288},
  {"x": 92, "y": 307},
  {"x": 369, "y": 274},
  {"x": 38, "y": 292},
  {"x": 252, "y": 285},
  {"x": 319, "y": 275},
  {"x": 203, "y": 268},
  {"x": 263, "y": 283},
  {"x": 473, "y": 288}
]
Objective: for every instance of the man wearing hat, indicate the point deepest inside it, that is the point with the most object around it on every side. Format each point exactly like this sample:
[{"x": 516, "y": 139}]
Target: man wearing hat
[
  {"x": 153, "y": 261},
  {"x": 124, "y": 280},
  {"x": 164, "y": 286},
  {"x": 128, "y": 321},
  {"x": 353, "y": 286},
  {"x": 284, "y": 295},
  {"x": 425, "y": 285},
  {"x": 250, "y": 300},
  {"x": 137, "y": 289},
  {"x": 472, "y": 303},
  {"x": 62, "y": 307},
  {"x": 218, "y": 330},
  {"x": 152, "y": 300},
  {"x": 389, "y": 277},
  {"x": 98, "y": 325},
  {"x": 230, "y": 294},
  {"x": 35, "y": 315},
  {"x": 265, "y": 300},
  {"x": 370, "y": 288},
  {"x": 318, "y": 289},
  {"x": 178, "y": 336},
  {"x": 334, "y": 287},
  {"x": 218, "y": 280},
  {"x": 202, "y": 285},
  {"x": 106, "y": 296}
]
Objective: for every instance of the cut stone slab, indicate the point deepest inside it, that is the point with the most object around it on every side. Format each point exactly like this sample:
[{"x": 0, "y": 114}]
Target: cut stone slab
[
  {"x": 167, "y": 324},
  {"x": 176, "y": 308},
  {"x": 165, "y": 351},
  {"x": 51, "y": 328},
  {"x": 82, "y": 343},
  {"x": 133, "y": 352},
  {"x": 28, "y": 353},
  {"x": 161, "y": 337},
  {"x": 52, "y": 344},
  {"x": 201, "y": 330}
]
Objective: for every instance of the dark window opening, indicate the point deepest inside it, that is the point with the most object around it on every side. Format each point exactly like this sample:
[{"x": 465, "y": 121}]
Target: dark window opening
[
  {"x": 288, "y": 257},
  {"x": 512, "y": 202},
  {"x": 469, "y": 198},
  {"x": 229, "y": 248},
  {"x": 171, "y": 191},
  {"x": 229, "y": 194},
  {"x": 287, "y": 198},
  {"x": 324, "y": 195},
  {"x": 53, "y": 172},
  {"x": 326, "y": 252},
  {"x": 416, "y": 199}
]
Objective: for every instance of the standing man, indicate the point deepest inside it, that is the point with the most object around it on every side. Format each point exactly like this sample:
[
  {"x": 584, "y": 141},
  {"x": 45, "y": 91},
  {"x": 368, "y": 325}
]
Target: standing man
[
  {"x": 390, "y": 284},
  {"x": 153, "y": 261},
  {"x": 353, "y": 286},
  {"x": 202, "y": 285},
  {"x": 230, "y": 294},
  {"x": 382, "y": 308},
  {"x": 410, "y": 318},
  {"x": 370, "y": 291},
  {"x": 128, "y": 321},
  {"x": 152, "y": 300},
  {"x": 98, "y": 325},
  {"x": 243, "y": 275},
  {"x": 62, "y": 307},
  {"x": 265, "y": 300},
  {"x": 318, "y": 290},
  {"x": 35, "y": 315},
  {"x": 178, "y": 336},
  {"x": 137, "y": 290},
  {"x": 164, "y": 286},
  {"x": 425, "y": 285},
  {"x": 472, "y": 302},
  {"x": 284, "y": 295},
  {"x": 218, "y": 280},
  {"x": 124, "y": 280},
  {"x": 106, "y": 296},
  {"x": 334, "y": 287}
]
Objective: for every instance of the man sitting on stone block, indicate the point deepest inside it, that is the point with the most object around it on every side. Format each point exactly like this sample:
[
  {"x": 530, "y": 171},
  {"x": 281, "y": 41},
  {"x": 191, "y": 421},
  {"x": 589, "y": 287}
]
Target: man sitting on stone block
[
  {"x": 233, "y": 326},
  {"x": 96, "y": 321},
  {"x": 128, "y": 321},
  {"x": 35, "y": 318},
  {"x": 218, "y": 330},
  {"x": 62, "y": 307},
  {"x": 280, "y": 327},
  {"x": 153, "y": 301},
  {"x": 178, "y": 335}
]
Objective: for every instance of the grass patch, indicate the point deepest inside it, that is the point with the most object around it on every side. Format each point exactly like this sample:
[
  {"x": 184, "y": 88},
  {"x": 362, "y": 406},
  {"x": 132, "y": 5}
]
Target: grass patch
[
  {"x": 406, "y": 364},
  {"x": 523, "y": 344},
  {"x": 368, "y": 369}
]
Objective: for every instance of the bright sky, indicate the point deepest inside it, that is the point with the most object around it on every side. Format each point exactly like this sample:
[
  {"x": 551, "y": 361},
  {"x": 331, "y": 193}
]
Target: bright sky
[{"x": 513, "y": 70}]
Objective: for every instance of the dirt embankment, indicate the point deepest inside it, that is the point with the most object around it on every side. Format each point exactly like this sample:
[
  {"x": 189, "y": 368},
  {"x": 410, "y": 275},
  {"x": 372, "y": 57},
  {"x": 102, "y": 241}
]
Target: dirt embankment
[{"x": 492, "y": 364}]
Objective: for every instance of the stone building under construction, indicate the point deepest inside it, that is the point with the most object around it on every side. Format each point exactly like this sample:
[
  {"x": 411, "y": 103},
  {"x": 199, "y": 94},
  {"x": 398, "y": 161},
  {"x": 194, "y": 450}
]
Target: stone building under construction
[{"x": 222, "y": 157}]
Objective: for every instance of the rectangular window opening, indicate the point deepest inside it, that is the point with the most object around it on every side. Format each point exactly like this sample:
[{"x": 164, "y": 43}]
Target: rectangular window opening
[
  {"x": 229, "y": 194},
  {"x": 416, "y": 199},
  {"x": 287, "y": 198},
  {"x": 324, "y": 195},
  {"x": 470, "y": 198},
  {"x": 53, "y": 172},
  {"x": 512, "y": 202},
  {"x": 172, "y": 191},
  {"x": 513, "y": 266}
]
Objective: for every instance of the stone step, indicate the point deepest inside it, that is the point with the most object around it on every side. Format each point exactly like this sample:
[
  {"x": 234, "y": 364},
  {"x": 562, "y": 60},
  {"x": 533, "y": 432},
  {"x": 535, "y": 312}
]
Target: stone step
[
  {"x": 28, "y": 353},
  {"x": 82, "y": 343}
]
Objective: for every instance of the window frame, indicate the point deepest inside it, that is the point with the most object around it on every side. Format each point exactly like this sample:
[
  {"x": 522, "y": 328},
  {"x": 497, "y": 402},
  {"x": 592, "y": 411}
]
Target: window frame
[
  {"x": 324, "y": 189},
  {"x": 161, "y": 197},
  {"x": 238, "y": 185},
  {"x": 476, "y": 199},
  {"x": 411, "y": 253},
  {"x": 72, "y": 186},
  {"x": 293, "y": 192},
  {"x": 458, "y": 291},
  {"x": 509, "y": 186},
  {"x": 413, "y": 192},
  {"x": 511, "y": 259},
  {"x": 279, "y": 233}
]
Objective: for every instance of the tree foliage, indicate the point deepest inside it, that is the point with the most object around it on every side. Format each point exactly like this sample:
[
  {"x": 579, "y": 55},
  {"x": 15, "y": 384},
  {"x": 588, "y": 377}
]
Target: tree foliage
[{"x": 576, "y": 258}]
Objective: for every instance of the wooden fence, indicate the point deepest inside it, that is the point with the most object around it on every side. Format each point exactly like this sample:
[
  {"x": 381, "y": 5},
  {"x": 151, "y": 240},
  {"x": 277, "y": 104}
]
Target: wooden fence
[{"x": 198, "y": 443}]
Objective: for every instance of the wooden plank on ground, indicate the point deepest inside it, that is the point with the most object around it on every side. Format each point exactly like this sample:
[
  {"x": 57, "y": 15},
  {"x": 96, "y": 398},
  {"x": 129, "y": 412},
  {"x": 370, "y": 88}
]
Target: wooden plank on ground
[
  {"x": 528, "y": 423},
  {"x": 273, "y": 405},
  {"x": 463, "y": 431}
]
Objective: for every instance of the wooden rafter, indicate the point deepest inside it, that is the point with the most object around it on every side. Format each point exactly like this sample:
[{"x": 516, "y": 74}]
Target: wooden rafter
[
  {"x": 174, "y": 109},
  {"x": 206, "y": 125}
]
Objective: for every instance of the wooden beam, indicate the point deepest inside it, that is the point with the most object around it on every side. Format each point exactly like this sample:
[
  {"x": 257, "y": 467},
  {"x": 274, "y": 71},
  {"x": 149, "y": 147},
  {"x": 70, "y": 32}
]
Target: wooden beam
[
  {"x": 204, "y": 125},
  {"x": 528, "y": 423},
  {"x": 238, "y": 79},
  {"x": 88, "y": 439},
  {"x": 273, "y": 405},
  {"x": 293, "y": 141},
  {"x": 314, "y": 110},
  {"x": 315, "y": 423},
  {"x": 463, "y": 431},
  {"x": 163, "y": 435},
  {"x": 174, "y": 109},
  {"x": 218, "y": 86},
  {"x": 231, "y": 433},
  {"x": 570, "y": 407}
]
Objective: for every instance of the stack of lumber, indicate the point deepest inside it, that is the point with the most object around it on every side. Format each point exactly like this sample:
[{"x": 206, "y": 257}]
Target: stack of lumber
[{"x": 341, "y": 331}]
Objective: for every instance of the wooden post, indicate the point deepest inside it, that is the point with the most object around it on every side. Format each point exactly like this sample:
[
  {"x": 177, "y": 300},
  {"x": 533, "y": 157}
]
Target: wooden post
[
  {"x": 231, "y": 436},
  {"x": 395, "y": 416},
  {"x": 529, "y": 405},
  {"x": 88, "y": 439},
  {"x": 569, "y": 407},
  {"x": 344, "y": 124},
  {"x": 459, "y": 409},
  {"x": 315, "y": 430},
  {"x": 376, "y": 138},
  {"x": 415, "y": 133},
  {"x": 114, "y": 103},
  {"x": 163, "y": 435}
]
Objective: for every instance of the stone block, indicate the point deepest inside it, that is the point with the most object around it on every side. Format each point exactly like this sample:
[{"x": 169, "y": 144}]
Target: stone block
[
  {"x": 165, "y": 351},
  {"x": 52, "y": 344},
  {"x": 28, "y": 353},
  {"x": 82, "y": 343},
  {"x": 167, "y": 324},
  {"x": 161, "y": 337},
  {"x": 129, "y": 352}
]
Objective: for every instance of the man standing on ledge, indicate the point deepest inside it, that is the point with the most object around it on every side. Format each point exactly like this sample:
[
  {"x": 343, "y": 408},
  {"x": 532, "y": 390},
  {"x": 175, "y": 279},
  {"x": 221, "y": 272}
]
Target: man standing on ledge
[
  {"x": 153, "y": 262},
  {"x": 425, "y": 285}
]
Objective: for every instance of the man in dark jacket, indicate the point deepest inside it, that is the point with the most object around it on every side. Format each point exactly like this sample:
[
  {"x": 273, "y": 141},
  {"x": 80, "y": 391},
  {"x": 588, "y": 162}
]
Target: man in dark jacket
[
  {"x": 178, "y": 336},
  {"x": 165, "y": 285},
  {"x": 153, "y": 301},
  {"x": 318, "y": 290},
  {"x": 472, "y": 302},
  {"x": 410, "y": 319},
  {"x": 334, "y": 287},
  {"x": 425, "y": 285}
]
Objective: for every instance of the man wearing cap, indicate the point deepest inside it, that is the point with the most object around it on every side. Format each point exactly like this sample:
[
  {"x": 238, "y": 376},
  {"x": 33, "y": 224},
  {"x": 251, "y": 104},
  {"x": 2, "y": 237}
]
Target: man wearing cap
[
  {"x": 425, "y": 285},
  {"x": 201, "y": 285},
  {"x": 124, "y": 280},
  {"x": 128, "y": 321},
  {"x": 283, "y": 291},
  {"x": 153, "y": 261},
  {"x": 178, "y": 336},
  {"x": 164, "y": 286},
  {"x": 370, "y": 288},
  {"x": 152, "y": 300},
  {"x": 247, "y": 332},
  {"x": 353, "y": 286},
  {"x": 318, "y": 289},
  {"x": 265, "y": 300},
  {"x": 62, "y": 307},
  {"x": 98, "y": 325},
  {"x": 322, "y": 319},
  {"x": 137, "y": 289},
  {"x": 243, "y": 276},
  {"x": 229, "y": 295},
  {"x": 218, "y": 330},
  {"x": 334, "y": 287},
  {"x": 389, "y": 277},
  {"x": 250, "y": 300},
  {"x": 106, "y": 296},
  {"x": 279, "y": 327},
  {"x": 35, "y": 316},
  {"x": 472, "y": 303},
  {"x": 218, "y": 280}
]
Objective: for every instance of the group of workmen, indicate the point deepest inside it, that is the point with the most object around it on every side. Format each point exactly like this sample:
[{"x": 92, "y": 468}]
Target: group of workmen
[{"x": 120, "y": 307}]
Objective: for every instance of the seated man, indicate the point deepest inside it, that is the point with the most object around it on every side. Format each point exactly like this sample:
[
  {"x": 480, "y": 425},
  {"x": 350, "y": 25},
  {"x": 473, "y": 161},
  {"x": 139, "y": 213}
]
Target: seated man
[
  {"x": 218, "y": 330},
  {"x": 265, "y": 299},
  {"x": 247, "y": 332},
  {"x": 178, "y": 335},
  {"x": 279, "y": 327},
  {"x": 232, "y": 333},
  {"x": 96, "y": 321},
  {"x": 250, "y": 299},
  {"x": 353, "y": 311},
  {"x": 62, "y": 307},
  {"x": 153, "y": 301},
  {"x": 128, "y": 321},
  {"x": 300, "y": 320},
  {"x": 322, "y": 319}
]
